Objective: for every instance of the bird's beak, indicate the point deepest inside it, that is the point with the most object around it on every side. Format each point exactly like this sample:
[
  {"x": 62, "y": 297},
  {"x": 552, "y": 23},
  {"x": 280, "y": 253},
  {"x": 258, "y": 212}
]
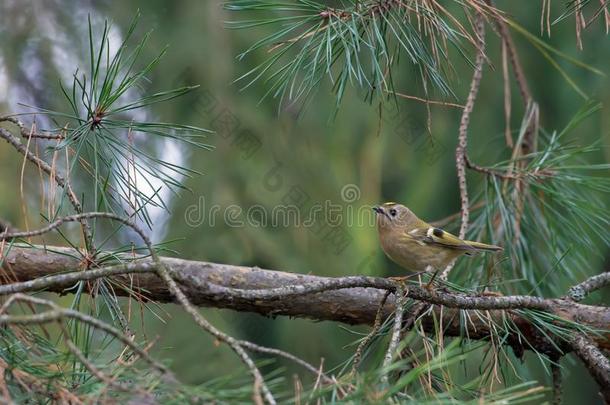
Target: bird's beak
[{"x": 380, "y": 210}]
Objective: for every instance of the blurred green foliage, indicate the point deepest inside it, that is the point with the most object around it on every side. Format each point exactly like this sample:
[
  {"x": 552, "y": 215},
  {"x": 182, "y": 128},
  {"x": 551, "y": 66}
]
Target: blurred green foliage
[{"x": 265, "y": 155}]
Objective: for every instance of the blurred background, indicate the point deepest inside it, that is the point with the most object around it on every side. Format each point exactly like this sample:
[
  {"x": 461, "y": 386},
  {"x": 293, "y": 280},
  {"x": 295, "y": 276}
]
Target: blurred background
[{"x": 266, "y": 155}]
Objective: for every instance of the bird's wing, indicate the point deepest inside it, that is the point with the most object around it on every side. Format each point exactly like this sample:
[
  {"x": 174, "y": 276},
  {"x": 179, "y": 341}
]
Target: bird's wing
[{"x": 426, "y": 234}]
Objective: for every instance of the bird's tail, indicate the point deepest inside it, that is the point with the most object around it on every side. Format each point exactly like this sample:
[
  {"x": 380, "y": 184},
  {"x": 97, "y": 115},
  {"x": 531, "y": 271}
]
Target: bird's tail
[{"x": 483, "y": 246}]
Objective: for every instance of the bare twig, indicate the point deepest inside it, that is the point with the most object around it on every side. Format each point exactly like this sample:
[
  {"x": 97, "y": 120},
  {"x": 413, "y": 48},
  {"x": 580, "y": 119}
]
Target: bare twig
[
  {"x": 418, "y": 310},
  {"x": 25, "y": 133},
  {"x": 280, "y": 353},
  {"x": 461, "y": 150},
  {"x": 395, "y": 339},
  {"x": 67, "y": 279},
  {"x": 595, "y": 361},
  {"x": 491, "y": 172},
  {"x": 59, "y": 222},
  {"x": 371, "y": 334},
  {"x": 580, "y": 291},
  {"x": 557, "y": 382},
  {"x": 534, "y": 175},
  {"x": 507, "y": 97},
  {"x": 259, "y": 382},
  {"x": 427, "y": 101},
  {"x": 288, "y": 291},
  {"x": 448, "y": 299}
]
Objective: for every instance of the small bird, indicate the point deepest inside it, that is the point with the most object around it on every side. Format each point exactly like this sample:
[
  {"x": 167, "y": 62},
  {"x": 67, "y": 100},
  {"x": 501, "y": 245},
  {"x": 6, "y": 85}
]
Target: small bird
[{"x": 418, "y": 246}]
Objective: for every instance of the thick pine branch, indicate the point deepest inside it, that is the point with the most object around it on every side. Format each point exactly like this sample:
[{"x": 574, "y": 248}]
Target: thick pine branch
[{"x": 352, "y": 300}]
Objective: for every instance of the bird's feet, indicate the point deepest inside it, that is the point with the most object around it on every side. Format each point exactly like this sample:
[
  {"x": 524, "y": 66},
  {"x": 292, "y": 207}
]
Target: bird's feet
[
  {"x": 402, "y": 281},
  {"x": 430, "y": 287}
]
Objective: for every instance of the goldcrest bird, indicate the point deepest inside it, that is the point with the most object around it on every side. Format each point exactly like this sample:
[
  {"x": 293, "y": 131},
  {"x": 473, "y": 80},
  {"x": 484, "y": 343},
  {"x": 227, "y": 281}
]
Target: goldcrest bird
[{"x": 418, "y": 246}]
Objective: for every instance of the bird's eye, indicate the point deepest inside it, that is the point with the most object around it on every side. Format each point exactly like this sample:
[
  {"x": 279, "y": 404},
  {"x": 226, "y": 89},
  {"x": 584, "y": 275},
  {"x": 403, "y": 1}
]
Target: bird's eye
[{"x": 393, "y": 212}]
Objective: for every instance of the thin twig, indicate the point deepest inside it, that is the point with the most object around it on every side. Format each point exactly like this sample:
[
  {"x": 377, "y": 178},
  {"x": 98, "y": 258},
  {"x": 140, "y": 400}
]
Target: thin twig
[
  {"x": 60, "y": 221},
  {"x": 535, "y": 175},
  {"x": 448, "y": 299},
  {"x": 395, "y": 339},
  {"x": 418, "y": 309},
  {"x": 595, "y": 361},
  {"x": 427, "y": 101},
  {"x": 557, "y": 382},
  {"x": 580, "y": 291},
  {"x": 491, "y": 172},
  {"x": 294, "y": 290},
  {"x": 65, "y": 279},
  {"x": 507, "y": 97},
  {"x": 277, "y": 352},
  {"x": 26, "y": 133},
  {"x": 371, "y": 334},
  {"x": 229, "y": 340},
  {"x": 460, "y": 152}
]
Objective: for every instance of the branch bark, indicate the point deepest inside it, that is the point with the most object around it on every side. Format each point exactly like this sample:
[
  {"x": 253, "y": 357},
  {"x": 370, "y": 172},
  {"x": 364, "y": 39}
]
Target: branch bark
[
  {"x": 595, "y": 361},
  {"x": 228, "y": 286}
]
